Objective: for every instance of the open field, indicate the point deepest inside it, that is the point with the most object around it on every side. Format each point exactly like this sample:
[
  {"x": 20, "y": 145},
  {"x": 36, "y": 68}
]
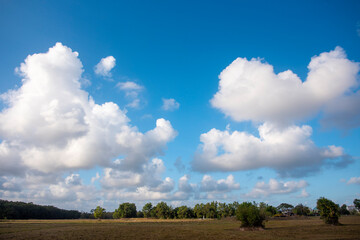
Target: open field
[{"x": 301, "y": 228}]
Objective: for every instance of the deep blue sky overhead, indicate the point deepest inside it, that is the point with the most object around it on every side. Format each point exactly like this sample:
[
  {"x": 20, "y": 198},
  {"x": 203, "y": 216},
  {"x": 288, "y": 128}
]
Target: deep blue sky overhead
[{"x": 277, "y": 137}]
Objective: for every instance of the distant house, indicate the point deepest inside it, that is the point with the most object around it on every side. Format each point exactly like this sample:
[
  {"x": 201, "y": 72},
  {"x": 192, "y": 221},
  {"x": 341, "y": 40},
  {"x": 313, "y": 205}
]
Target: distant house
[
  {"x": 351, "y": 208},
  {"x": 315, "y": 211}
]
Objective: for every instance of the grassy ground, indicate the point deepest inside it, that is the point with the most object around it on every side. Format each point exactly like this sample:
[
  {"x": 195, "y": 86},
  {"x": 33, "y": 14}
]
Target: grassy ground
[{"x": 300, "y": 228}]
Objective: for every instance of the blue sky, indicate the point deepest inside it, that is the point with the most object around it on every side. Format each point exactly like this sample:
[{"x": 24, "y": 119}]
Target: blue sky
[{"x": 290, "y": 137}]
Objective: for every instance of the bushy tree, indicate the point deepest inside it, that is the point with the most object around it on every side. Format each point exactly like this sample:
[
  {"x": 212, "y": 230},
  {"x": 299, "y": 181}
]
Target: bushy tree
[
  {"x": 125, "y": 210},
  {"x": 199, "y": 210},
  {"x": 344, "y": 210},
  {"x": 329, "y": 211},
  {"x": 162, "y": 210},
  {"x": 249, "y": 215},
  {"x": 301, "y": 210},
  {"x": 357, "y": 204},
  {"x": 148, "y": 210},
  {"x": 99, "y": 212},
  {"x": 284, "y": 207},
  {"x": 210, "y": 210},
  {"x": 184, "y": 212}
]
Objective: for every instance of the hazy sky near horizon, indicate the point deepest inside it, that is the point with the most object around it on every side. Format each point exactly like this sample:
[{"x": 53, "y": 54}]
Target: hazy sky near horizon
[{"x": 104, "y": 102}]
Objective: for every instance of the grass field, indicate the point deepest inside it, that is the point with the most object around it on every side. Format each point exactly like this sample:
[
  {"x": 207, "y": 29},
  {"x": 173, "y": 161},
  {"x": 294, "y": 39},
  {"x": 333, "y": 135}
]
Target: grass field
[{"x": 300, "y": 228}]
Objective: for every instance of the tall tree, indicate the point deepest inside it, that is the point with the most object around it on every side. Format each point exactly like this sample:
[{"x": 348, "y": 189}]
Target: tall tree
[{"x": 147, "y": 210}]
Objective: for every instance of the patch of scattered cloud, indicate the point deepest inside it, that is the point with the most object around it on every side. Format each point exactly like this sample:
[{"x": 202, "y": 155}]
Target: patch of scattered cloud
[
  {"x": 104, "y": 67},
  {"x": 170, "y": 104},
  {"x": 275, "y": 187},
  {"x": 132, "y": 91},
  {"x": 354, "y": 180}
]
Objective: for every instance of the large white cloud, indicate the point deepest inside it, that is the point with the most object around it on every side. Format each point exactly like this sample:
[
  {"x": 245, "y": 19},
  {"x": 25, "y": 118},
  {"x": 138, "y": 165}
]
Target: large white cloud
[
  {"x": 250, "y": 90},
  {"x": 262, "y": 189},
  {"x": 288, "y": 150},
  {"x": 50, "y": 124}
]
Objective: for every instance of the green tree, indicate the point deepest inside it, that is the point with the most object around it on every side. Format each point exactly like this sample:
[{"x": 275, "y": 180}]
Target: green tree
[
  {"x": 301, "y": 210},
  {"x": 329, "y": 211},
  {"x": 99, "y": 212},
  {"x": 162, "y": 210},
  {"x": 125, "y": 210},
  {"x": 210, "y": 210},
  {"x": 270, "y": 211},
  {"x": 147, "y": 210},
  {"x": 184, "y": 212},
  {"x": 223, "y": 210},
  {"x": 285, "y": 207},
  {"x": 199, "y": 210},
  {"x": 249, "y": 215},
  {"x": 357, "y": 204},
  {"x": 344, "y": 210}
]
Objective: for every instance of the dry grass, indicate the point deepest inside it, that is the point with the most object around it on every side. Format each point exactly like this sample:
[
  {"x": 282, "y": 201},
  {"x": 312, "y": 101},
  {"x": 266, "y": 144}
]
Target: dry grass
[{"x": 300, "y": 228}]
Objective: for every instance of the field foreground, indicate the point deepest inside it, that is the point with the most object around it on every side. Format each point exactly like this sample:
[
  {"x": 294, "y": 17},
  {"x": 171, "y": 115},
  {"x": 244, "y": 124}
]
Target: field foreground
[{"x": 300, "y": 228}]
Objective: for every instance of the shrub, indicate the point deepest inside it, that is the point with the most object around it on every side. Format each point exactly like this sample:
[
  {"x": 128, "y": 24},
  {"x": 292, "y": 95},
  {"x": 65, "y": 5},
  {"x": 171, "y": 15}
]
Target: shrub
[
  {"x": 329, "y": 211},
  {"x": 249, "y": 215}
]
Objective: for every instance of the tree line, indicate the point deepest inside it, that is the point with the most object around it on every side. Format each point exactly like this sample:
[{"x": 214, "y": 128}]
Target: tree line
[
  {"x": 219, "y": 210},
  {"x": 21, "y": 210}
]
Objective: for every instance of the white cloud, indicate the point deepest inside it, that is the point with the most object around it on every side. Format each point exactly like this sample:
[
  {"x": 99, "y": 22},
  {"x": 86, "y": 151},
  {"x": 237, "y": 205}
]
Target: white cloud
[
  {"x": 208, "y": 184},
  {"x": 276, "y": 187},
  {"x": 132, "y": 91},
  {"x": 170, "y": 104},
  {"x": 250, "y": 90},
  {"x": 288, "y": 150},
  {"x": 129, "y": 86},
  {"x": 354, "y": 180},
  {"x": 64, "y": 128},
  {"x": 304, "y": 194},
  {"x": 105, "y": 65}
]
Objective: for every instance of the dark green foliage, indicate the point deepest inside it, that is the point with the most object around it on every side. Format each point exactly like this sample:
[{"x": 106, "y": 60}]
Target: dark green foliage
[
  {"x": 302, "y": 210},
  {"x": 184, "y": 212},
  {"x": 21, "y": 210},
  {"x": 285, "y": 207},
  {"x": 249, "y": 215},
  {"x": 139, "y": 214},
  {"x": 148, "y": 210},
  {"x": 357, "y": 204},
  {"x": 267, "y": 210},
  {"x": 210, "y": 210},
  {"x": 125, "y": 210},
  {"x": 344, "y": 210},
  {"x": 162, "y": 210},
  {"x": 199, "y": 210},
  {"x": 329, "y": 211}
]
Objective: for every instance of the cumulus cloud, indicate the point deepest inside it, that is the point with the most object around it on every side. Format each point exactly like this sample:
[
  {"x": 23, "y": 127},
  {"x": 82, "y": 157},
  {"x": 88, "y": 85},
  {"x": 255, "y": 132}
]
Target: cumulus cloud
[
  {"x": 276, "y": 187},
  {"x": 208, "y": 184},
  {"x": 170, "y": 104},
  {"x": 289, "y": 150},
  {"x": 61, "y": 128},
  {"x": 354, "y": 180},
  {"x": 132, "y": 91},
  {"x": 250, "y": 90},
  {"x": 104, "y": 67}
]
